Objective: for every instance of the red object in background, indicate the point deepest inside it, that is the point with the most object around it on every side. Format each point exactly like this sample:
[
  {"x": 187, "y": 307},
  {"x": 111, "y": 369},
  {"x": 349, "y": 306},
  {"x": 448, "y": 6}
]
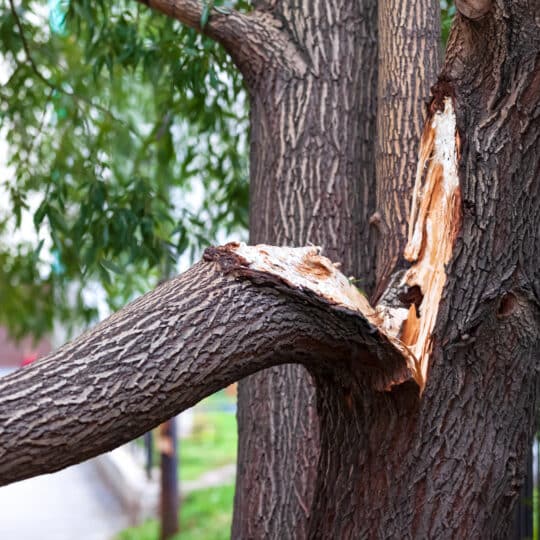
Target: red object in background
[
  {"x": 29, "y": 358},
  {"x": 14, "y": 354}
]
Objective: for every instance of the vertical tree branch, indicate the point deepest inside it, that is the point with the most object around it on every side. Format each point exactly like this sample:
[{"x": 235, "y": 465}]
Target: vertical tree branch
[{"x": 409, "y": 58}]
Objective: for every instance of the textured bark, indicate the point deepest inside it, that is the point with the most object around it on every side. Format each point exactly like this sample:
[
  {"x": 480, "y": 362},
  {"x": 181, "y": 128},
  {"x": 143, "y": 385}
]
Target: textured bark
[
  {"x": 193, "y": 335},
  {"x": 312, "y": 181},
  {"x": 371, "y": 458},
  {"x": 256, "y": 41},
  {"x": 409, "y": 51},
  {"x": 450, "y": 465},
  {"x": 474, "y": 9}
]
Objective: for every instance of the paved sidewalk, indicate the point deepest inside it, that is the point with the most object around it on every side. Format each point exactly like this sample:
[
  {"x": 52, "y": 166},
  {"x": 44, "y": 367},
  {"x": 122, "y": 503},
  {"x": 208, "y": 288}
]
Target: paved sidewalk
[
  {"x": 72, "y": 504},
  {"x": 213, "y": 478}
]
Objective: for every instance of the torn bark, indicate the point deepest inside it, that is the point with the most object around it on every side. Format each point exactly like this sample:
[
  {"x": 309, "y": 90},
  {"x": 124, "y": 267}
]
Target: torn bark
[
  {"x": 434, "y": 225},
  {"x": 408, "y": 62},
  {"x": 237, "y": 312}
]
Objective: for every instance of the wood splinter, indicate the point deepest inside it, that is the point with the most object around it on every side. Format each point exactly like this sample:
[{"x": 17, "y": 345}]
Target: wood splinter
[{"x": 433, "y": 227}]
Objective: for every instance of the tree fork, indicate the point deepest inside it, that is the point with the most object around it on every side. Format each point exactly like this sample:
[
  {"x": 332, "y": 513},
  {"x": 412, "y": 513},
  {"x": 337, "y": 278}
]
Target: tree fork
[
  {"x": 256, "y": 41},
  {"x": 240, "y": 310}
]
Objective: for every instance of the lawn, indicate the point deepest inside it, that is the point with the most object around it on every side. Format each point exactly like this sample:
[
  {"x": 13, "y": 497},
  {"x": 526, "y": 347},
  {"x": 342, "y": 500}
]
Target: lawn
[
  {"x": 211, "y": 444},
  {"x": 213, "y": 440},
  {"x": 205, "y": 515}
]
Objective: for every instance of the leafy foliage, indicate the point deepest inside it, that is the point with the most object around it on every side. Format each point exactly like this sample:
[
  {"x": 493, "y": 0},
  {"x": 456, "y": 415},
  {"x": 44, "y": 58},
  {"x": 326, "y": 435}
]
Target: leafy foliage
[
  {"x": 126, "y": 140},
  {"x": 448, "y": 11}
]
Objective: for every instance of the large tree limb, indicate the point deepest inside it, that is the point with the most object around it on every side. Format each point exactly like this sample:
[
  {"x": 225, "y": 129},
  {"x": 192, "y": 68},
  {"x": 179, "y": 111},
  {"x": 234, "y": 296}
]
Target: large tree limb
[
  {"x": 256, "y": 41},
  {"x": 239, "y": 311}
]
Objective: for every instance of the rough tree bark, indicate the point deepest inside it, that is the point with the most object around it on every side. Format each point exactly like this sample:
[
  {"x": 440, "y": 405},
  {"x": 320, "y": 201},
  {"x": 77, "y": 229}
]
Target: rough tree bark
[
  {"x": 451, "y": 465},
  {"x": 409, "y": 61},
  {"x": 223, "y": 319},
  {"x": 437, "y": 455},
  {"x": 312, "y": 181}
]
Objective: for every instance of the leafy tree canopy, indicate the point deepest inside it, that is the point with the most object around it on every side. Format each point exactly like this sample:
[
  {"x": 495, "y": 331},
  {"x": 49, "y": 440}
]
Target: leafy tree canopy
[{"x": 115, "y": 118}]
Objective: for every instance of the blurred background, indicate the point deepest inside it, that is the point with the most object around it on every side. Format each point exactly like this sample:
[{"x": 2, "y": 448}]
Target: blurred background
[
  {"x": 117, "y": 495},
  {"x": 123, "y": 154}
]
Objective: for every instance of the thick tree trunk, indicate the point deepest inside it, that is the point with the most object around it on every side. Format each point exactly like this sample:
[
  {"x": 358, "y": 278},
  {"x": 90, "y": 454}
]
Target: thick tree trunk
[
  {"x": 312, "y": 181},
  {"x": 450, "y": 465}
]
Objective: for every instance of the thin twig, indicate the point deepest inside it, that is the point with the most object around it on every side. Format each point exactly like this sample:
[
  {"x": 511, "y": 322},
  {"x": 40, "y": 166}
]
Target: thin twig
[{"x": 41, "y": 123}]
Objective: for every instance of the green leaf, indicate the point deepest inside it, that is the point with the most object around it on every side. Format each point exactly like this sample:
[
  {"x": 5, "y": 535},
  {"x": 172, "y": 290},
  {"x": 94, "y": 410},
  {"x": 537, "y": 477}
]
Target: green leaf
[
  {"x": 112, "y": 267},
  {"x": 140, "y": 113},
  {"x": 205, "y": 14}
]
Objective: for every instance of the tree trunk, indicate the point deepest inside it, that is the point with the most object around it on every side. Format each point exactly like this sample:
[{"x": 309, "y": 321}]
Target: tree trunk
[
  {"x": 312, "y": 181},
  {"x": 450, "y": 465},
  {"x": 169, "y": 504},
  {"x": 409, "y": 59}
]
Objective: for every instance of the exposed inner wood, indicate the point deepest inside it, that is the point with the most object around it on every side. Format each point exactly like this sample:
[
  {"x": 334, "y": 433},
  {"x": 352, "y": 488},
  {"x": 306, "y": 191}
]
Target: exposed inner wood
[
  {"x": 433, "y": 228},
  {"x": 434, "y": 224},
  {"x": 306, "y": 269}
]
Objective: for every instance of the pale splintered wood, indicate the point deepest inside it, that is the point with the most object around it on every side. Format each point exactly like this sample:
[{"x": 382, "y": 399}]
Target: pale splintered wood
[
  {"x": 434, "y": 223},
  {"x": 306, "y": 269},
  {"x": 435, "y": 220}
]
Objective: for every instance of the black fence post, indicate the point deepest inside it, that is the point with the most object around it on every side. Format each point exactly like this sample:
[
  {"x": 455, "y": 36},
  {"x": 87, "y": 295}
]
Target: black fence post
[{"x": 523, "y": 514}]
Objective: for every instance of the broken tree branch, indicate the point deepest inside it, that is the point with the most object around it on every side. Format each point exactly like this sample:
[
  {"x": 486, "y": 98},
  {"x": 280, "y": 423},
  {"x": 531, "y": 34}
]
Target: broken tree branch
[{"x": 240, "y": 310}]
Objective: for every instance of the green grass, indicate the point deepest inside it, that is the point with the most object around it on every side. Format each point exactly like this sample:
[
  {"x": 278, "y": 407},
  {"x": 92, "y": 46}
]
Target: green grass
[
  {"x": 205, "y": 515},
  {"x": 213, "y": 440},
  {"x": 211, "y": 444}
]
